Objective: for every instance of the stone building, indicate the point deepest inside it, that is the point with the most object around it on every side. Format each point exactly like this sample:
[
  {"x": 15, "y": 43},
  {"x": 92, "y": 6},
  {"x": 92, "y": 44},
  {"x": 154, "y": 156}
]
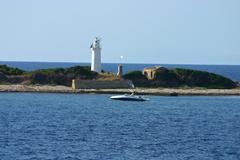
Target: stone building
[
  {"x": 150, "y": 72},
  {"x": 101, "y": 84}
]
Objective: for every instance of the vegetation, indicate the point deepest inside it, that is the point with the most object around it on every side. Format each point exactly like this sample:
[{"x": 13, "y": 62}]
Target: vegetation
[
  {"x": 137, "y": 77},
  {"x": 204, "y": 79},
  {"x": 181, "y": 77},
  {"x": 61, "y": 76},
  {"x": 10, "y": 71},
  {"x": 56, "y": 76}
]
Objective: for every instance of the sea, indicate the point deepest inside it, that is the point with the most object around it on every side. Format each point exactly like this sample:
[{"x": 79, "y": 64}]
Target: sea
[
  {"x": 42, "y": 126},
  {"x": 230, "y": 71}
]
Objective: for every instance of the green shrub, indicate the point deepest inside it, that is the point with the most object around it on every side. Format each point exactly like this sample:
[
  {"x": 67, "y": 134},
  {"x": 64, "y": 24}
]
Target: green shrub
[
  {"x": 10, "y": 70},
  {"x": 195, "y": 78},
  {"x": 134, "y": 75},
  {"x": 61, "y": 76},
  {"x": 137, "y": 78}
]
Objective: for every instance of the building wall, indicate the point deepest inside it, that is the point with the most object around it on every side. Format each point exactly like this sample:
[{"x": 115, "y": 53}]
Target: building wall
[
  {"x": 101, "y": 84},
  {"x": 150, "y": 74}
]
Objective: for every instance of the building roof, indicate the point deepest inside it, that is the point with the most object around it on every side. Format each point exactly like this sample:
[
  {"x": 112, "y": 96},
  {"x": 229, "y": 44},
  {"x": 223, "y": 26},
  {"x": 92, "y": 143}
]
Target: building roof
[{"x": 153, "y": 68}]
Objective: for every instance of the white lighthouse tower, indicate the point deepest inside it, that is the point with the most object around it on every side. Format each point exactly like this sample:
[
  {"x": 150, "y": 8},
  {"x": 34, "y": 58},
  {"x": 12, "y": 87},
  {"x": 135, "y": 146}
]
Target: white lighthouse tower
[{"x": 96, "y": 55}]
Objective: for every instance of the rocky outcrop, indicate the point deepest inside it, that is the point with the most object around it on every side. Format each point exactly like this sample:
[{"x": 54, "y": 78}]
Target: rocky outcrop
[
  {"x": 181, "y": 78},
  {"x": 3, "y": 78}
]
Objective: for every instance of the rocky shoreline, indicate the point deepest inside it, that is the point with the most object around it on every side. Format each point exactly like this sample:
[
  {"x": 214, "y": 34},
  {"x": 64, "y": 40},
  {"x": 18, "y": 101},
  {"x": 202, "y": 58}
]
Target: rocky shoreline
[{"x": 142, "y": 91}]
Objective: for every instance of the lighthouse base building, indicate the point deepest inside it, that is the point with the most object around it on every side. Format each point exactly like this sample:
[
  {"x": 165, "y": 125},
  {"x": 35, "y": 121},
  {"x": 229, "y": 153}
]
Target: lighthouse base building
[{"x": 116, "y": 83}]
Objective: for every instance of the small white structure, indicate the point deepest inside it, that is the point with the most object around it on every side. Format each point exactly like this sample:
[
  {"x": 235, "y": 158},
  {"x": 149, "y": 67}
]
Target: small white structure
[{"x": 96, "y": 55}]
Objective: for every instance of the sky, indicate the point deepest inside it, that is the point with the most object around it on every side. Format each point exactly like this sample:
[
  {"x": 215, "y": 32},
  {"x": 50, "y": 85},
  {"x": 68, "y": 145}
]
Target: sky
[{"x": 142, "y": 31}]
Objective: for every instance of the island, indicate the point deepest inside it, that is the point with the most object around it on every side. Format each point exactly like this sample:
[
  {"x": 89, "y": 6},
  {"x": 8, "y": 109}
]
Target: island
[{"x": 152, "y": 81}]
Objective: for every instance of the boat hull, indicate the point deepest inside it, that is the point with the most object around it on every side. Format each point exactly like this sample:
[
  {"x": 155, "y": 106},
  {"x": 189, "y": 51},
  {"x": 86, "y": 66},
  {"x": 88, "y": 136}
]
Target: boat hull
[{"x": 128, "y": 98}]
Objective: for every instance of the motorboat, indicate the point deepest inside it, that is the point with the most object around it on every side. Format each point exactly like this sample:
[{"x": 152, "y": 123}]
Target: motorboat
[{"x": 129, "y": 97}]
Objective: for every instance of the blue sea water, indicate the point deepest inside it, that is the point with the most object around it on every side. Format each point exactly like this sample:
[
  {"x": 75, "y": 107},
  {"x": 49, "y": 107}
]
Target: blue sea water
[
  {"x": 230, "y": 71},
  {"x": 93, "y": 127}
]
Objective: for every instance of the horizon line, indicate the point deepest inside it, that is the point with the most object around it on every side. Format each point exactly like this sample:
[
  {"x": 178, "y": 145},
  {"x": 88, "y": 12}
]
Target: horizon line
[{"x": 26, "y": 61}]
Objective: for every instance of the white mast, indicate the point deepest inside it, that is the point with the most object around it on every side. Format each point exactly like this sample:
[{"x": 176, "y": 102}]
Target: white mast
[{"x": 96, "y": 55}]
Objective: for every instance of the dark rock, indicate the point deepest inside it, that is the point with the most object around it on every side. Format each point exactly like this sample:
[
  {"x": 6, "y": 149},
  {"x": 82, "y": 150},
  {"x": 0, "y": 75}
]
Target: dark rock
[
  {"x": 3, "y": 78},
  {"x": 174, "y": 94}
]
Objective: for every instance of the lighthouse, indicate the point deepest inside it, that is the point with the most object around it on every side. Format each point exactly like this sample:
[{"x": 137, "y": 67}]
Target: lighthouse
[{"x": 96, "y": 55}]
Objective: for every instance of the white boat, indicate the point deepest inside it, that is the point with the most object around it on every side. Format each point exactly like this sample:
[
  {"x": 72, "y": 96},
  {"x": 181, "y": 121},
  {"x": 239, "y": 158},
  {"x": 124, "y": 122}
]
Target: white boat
[{"x": 129, "y": 97}]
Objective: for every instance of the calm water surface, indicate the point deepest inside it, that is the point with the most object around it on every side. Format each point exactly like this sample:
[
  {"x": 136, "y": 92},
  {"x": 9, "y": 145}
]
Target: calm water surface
[{"x": 72, "y": 127}]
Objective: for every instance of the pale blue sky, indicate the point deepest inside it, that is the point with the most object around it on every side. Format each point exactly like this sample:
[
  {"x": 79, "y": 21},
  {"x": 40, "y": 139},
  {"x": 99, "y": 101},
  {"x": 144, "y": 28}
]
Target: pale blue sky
[{"x": 143, "y": 31}]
